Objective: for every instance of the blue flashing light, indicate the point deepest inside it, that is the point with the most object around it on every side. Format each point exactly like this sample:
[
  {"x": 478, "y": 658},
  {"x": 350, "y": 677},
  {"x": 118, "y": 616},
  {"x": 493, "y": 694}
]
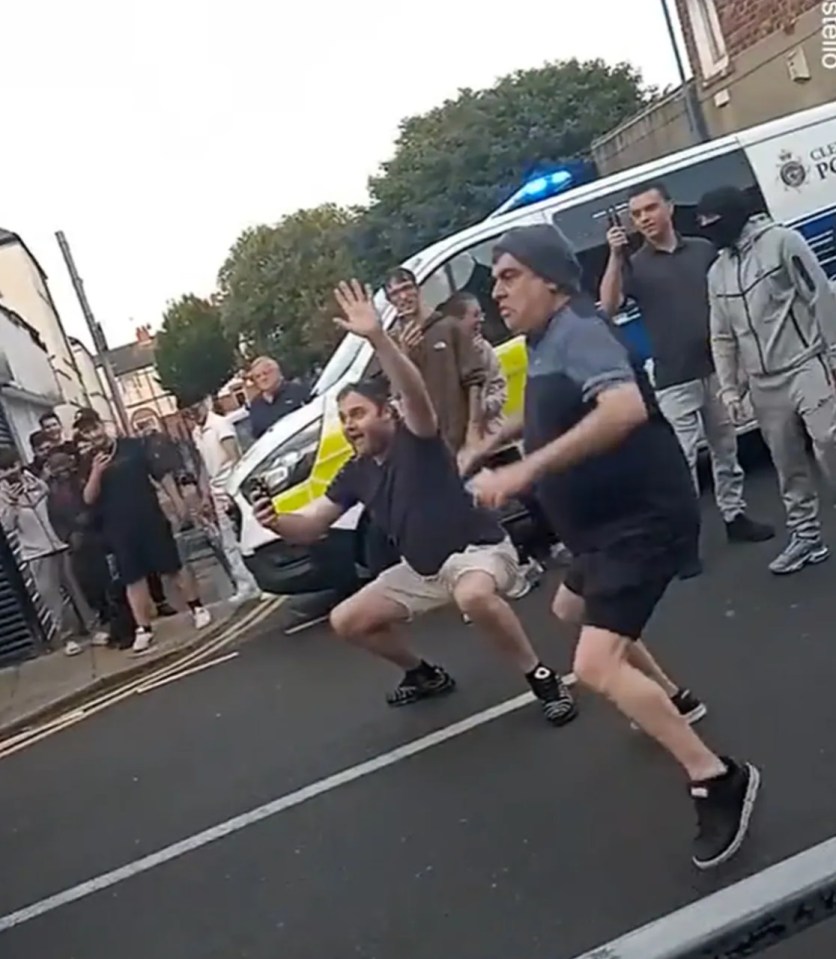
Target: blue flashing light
[{"x": 546, "y": 185}]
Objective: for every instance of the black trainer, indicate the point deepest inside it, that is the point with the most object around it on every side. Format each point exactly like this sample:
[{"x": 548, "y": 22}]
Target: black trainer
[
  {"x": 422, "y": 682},
  {"x": 688, "y": 706},
  {"x": 557, "y": 702},
  {"x": 724, "y": 807},
  {"x": 744, "y": 530}
]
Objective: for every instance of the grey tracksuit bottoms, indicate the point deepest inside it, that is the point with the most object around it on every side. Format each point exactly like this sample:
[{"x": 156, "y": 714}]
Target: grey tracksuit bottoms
[{"x": 787, "y": 405}]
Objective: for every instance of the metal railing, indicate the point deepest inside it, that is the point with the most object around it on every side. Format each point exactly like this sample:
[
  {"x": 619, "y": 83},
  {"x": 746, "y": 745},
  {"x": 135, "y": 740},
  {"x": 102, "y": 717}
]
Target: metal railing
[{"x": 743, "y": 920}]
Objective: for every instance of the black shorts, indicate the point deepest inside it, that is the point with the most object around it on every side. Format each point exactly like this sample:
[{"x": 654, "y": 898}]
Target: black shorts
[
  {"x": 621, "y": 583},
  {"x": 141, "y": 552}
]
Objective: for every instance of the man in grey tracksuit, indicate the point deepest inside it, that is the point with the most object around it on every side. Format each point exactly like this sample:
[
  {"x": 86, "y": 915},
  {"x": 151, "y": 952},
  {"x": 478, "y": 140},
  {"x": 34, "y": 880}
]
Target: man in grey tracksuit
[{"x": 773, "y": 332}]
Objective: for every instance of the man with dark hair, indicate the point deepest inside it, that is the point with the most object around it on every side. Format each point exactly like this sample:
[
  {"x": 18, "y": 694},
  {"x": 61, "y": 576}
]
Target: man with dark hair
[
  {"x": 612, "y": 478},
  {"x": 119, "y": 484},
  {"x": 51, "y": 425},
  {"x": 405, "y": 475},
  {"x": 24, "y": 511},
  {"x": 667, "y": 280},
  {"x": 773, "y": 333},
  {"x": 447, "y": 360}
]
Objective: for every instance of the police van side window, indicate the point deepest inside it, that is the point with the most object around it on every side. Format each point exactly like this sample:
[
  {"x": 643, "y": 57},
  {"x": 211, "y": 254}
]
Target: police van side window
[
  {"x": 470, "y": 272},
  {"x": 586, "y": 224}
]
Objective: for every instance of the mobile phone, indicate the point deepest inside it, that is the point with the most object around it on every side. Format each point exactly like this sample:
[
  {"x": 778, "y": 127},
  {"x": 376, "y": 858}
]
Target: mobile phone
[
  {"x": 613, "y": 219},
  {"x": 259, "y": 489}
]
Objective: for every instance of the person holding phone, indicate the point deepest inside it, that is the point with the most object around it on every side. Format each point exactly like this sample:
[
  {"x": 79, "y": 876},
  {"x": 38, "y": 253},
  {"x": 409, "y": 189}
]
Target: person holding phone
[
  {"x": 406, "y": 476},
  {"x": 24, "y": 511},
  {"x": 118, "y": 483},
  {"x": 667, "y": 278}
]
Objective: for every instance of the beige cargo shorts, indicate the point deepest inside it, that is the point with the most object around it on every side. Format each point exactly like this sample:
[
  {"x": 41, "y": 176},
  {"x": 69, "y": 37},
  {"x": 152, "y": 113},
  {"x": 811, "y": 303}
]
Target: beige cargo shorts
[{"x": 421, "y": 594}]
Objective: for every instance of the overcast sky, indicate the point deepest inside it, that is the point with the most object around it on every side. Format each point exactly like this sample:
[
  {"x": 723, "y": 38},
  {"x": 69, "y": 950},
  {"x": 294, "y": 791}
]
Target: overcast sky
[{"x": 153, "y": 132}]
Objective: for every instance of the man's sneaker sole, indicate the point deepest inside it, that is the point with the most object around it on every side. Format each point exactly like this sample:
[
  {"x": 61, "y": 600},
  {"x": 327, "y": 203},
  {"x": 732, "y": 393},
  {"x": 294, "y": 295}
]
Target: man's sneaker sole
[
  {"x": 692, "y": 718},
  {"x": 752, "y": 789},
  {"x": 811, "y": 559},
  {"x": 559, "y": 713},
  {"x": 443, "y": 688}
]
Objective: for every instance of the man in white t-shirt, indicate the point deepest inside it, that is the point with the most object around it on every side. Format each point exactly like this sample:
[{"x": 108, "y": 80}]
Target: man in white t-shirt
[{"x": 215, "y": 439}]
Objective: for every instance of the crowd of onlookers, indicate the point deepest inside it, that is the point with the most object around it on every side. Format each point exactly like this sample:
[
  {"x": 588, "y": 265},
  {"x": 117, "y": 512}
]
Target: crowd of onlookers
[{"x": 87, "y": 513}]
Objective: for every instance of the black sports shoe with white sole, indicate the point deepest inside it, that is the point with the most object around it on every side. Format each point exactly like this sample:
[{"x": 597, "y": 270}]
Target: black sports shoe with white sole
[
  {"x": 423, "y": 682},
  {"x": 724, "y": 807},
  {"x": 688, "y": 706},
  {"x": 556, "y": 701}
]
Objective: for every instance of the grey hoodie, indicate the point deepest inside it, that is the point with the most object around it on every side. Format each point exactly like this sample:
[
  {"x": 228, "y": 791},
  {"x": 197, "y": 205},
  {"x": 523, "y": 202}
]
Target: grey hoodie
[
  {"x": 772, "y": 307},
  {"x": 27, "y": 516}
]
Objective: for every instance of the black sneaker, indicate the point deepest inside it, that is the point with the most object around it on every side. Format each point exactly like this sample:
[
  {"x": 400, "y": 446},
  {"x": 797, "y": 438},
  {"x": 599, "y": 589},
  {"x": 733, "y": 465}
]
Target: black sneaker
[
  {"x": 421, "y": 683},
  {"x": 557, "y": 702},
  {"x": 688, "y": 706},
  {"x": 744, "y": 530},
  {"x": 166, "y": 609},
  {"x": 724, "y": 807}
]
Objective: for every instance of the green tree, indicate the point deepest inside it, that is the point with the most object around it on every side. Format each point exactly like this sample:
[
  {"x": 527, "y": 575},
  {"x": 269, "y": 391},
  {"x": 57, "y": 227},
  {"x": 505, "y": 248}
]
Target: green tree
[
  {"x": 194, "y": 356},
  {"x": 456, "y": 164},
  {"x": 276, "y": 285}
]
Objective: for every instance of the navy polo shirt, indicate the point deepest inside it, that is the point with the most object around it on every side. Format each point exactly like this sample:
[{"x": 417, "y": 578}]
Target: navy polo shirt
[{"x": 642, "y": 480}]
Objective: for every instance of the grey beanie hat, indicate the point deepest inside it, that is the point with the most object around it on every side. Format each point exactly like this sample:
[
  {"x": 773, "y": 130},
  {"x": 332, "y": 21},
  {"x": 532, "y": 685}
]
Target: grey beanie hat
[{"x": 545, "y": 251}]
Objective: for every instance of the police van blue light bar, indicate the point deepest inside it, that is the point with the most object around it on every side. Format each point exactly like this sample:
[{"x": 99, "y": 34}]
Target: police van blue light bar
[{"x": 545, "y": 185}]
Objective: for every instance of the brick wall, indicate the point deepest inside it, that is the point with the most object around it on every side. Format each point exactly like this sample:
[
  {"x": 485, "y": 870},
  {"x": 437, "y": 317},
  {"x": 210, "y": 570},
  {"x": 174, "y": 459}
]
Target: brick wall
[{"x": 746, "y": 22}]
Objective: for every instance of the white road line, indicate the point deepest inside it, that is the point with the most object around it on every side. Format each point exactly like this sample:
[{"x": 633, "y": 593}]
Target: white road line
[
  {"x": 228, "y": 634},
  {"x": 183, "y": 673},
  {"x": 237, "y": 823}
]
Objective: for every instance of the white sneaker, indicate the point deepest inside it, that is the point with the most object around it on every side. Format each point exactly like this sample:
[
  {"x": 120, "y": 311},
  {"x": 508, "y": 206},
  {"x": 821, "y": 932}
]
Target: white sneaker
[
  {"x": 201, "y": 617},
  {"x": 72, "y": 648},
  {"x": 142, "y": 640},
  {"x": 100, "y": 638}
]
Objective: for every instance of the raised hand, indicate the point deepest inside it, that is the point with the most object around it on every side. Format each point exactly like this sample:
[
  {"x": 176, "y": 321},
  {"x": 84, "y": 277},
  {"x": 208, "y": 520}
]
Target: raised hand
[{"x": 360, "y": 316}]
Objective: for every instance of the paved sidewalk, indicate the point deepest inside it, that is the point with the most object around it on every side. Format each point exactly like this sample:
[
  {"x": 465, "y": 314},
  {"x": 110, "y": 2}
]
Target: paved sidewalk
[{"x": 34, "y": 689}]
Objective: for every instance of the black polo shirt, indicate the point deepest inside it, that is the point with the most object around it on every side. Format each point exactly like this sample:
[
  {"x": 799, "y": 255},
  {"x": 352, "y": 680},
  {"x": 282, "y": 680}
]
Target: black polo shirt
[
  {"x": 671, "y": 290},
  {"x": 644, "y": 480},
  {"x": 264, "y": 413},
  {"x": 417, "y": 498},
  {"x": 128, "y": 501}
]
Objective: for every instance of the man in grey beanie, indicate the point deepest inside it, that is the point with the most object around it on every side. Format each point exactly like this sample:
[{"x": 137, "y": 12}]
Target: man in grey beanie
[{"x": 611, "y": 476}]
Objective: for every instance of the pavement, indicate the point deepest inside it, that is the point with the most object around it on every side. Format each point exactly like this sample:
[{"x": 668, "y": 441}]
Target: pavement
[
  {"x": 39, "y": 688},
  {"x": 271, "y": 806}
]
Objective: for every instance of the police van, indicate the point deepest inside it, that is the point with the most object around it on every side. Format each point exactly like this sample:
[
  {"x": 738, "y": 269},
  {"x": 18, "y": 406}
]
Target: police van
[{"x": 787, "y": 167}]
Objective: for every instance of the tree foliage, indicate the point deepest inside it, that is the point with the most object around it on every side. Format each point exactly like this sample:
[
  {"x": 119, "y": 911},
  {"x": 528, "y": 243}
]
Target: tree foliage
[
  {"x": 193, "y": 355},
  {"x": 276, "y": 285},
  {"x": 456, "y": 164}
]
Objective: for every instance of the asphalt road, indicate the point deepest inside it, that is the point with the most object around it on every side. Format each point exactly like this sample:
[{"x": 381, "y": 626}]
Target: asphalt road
[{"x": 510, "y": 840}]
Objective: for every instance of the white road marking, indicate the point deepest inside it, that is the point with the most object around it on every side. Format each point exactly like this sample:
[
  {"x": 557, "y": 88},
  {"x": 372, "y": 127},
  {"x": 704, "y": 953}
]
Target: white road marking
[
  {"x": 35, "y": 734},
  {"x": 183, "y": 673},
  {"x": 237, "y": 823}
]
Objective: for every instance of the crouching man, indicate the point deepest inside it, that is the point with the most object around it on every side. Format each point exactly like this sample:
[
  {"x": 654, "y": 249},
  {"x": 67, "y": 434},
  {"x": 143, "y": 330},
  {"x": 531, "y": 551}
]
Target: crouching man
[{"x": 406, "y": 476}]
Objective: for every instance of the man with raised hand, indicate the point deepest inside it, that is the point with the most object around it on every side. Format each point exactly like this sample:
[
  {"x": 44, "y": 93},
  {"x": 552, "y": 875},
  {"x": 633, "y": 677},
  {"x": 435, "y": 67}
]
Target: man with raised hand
[{"x": 406, "y": 476}]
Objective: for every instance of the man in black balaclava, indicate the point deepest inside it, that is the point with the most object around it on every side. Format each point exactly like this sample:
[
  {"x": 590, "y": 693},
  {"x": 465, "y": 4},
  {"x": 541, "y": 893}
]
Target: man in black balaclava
[
  {"x": 773, "y": 333},
  {"x": 612, "y": 479}
]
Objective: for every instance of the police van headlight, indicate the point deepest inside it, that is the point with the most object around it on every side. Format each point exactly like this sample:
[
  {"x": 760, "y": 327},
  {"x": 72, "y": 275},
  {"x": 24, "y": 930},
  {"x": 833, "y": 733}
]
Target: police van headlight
[{"x": 289, "y": 464}]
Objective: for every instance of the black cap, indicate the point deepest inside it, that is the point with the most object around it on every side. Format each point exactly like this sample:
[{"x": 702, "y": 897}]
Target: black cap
[{"x": 545, "y": 251}]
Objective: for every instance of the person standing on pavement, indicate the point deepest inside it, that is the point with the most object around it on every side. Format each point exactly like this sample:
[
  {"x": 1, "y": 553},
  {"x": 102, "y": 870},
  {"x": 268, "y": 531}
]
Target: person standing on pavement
[
  {"x": 405, "y": 474},
  {"x": 446, "y": 357},
  {"x": 119, "y": 484},
  {"x": 217, "y": 443},
  {"x": 609, "y": 472},
  {"x": 277, "y": 396},
  {"x": 667, "y": 278},
  {"x": 773, "y": 332},
  {"x": 24, "y": 511}
]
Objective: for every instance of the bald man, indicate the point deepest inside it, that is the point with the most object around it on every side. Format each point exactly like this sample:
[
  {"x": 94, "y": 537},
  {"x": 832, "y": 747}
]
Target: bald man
[{"x": 276, "y": 397}]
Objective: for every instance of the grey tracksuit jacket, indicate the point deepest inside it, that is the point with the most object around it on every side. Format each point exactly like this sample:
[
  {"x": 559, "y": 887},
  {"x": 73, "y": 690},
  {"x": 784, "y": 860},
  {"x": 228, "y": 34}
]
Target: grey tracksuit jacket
[{"x": 772, "y": 308}]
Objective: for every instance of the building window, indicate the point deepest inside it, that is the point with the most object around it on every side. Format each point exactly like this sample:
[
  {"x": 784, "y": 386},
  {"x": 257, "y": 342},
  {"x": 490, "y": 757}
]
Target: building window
[{"x": 708, "y": 37}]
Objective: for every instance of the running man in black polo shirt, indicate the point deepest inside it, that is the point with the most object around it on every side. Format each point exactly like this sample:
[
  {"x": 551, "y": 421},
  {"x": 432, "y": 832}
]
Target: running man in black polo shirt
[
  {"x": 406, "y": 476},
  {"x": 612, "y": 478},
  {"x": 668, "y": 280}
]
